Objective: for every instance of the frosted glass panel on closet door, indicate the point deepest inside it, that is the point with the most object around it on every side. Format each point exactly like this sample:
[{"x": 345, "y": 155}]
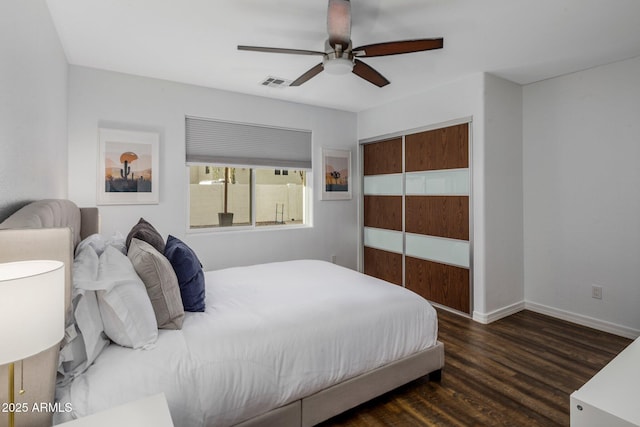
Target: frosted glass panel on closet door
[
  {"x": 448, "y": 251},
  {"x": 386, "y": 240},
  {"x": 383, "y": 185},
  {"x": 448, "y": 182}
]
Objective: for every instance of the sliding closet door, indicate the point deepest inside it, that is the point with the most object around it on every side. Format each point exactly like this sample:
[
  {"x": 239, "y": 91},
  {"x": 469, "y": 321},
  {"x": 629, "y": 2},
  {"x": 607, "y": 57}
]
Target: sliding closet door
[
  {"x": 383, "y": 217},
  {"x": 437, "y": 245},
  {"x": 417, "y": 214}
]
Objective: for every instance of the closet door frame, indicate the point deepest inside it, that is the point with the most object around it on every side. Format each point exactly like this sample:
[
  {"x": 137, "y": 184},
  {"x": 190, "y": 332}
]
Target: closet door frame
[{"x": 401, "y": 134}]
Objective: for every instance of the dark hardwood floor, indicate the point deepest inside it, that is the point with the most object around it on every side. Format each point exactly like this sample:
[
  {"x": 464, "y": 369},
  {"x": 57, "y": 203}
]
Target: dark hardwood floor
[{"x": 518, "y": 371}]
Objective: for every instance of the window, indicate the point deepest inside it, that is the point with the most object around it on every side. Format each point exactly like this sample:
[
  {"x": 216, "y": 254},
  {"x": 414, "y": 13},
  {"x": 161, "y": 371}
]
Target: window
[
  {"x": 244, "y": 175},
  {"x": 251, "y": 197},
  {"x": 280, "y": 198}
]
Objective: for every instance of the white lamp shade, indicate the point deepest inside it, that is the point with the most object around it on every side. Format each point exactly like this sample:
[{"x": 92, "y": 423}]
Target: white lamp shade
[{"x": 31, "y": 308}]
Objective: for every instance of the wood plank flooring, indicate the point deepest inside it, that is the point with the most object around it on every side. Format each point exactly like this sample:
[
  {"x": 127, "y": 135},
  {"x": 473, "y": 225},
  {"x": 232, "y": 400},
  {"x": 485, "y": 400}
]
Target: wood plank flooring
[{"x": 518, "y": 371}]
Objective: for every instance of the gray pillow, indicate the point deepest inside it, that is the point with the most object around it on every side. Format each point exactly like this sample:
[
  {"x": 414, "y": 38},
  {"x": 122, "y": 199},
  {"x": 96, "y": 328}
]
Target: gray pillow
[
  {"x": 143, "y": 230},
  {"x": 161, "y": 283}
]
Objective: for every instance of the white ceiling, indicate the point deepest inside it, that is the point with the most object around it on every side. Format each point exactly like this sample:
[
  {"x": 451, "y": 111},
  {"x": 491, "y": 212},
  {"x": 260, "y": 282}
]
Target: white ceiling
[{"x": 194, "y": 41}]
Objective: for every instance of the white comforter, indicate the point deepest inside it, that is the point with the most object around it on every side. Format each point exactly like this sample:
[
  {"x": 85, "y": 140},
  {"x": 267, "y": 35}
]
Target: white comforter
[{"x": 271, "y": 334}]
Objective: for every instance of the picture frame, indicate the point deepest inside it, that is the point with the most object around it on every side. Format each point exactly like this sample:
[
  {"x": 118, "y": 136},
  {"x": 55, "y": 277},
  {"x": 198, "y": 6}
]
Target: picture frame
[
  {"x": 128, "y": 171},
  {"x": 336, "y": 174}
]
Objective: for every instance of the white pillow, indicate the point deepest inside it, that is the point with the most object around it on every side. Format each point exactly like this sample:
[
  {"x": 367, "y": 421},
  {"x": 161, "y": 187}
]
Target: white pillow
[
  {"x": 117, "y": 240},
  {"x": 127, "y": 314},
  {"x": 99, "y": 243},
  {"x": 84, "y": 338},
  {"x": 95, "y": 241},
  {"x": 85, "y": 264},
  {"x": 86, "y": 312}
]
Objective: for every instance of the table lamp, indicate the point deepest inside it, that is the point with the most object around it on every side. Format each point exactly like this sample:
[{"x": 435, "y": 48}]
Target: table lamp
[{"x": 32, "y": 313}]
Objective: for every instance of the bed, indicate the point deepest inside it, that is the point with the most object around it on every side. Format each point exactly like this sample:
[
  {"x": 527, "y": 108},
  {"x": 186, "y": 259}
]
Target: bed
[{"x": 356, "y": 337}]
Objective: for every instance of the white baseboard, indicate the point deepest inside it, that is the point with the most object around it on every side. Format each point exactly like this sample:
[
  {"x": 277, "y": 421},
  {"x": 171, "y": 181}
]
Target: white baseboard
[
  {"x": 498, "y": 314},
  {"x": 580, "y": 319}
]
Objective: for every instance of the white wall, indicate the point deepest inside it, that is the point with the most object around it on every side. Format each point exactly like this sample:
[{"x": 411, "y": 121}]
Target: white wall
[
  {"x": 582, "y": 196},
  {"x": 102, "y": 98},
  {"x": 33, "y": 106},
  {"x": 504, "y": 265}
]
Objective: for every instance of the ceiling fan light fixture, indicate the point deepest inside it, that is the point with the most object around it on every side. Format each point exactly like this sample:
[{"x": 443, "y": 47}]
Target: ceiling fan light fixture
[{"x": 338, "y": 66}]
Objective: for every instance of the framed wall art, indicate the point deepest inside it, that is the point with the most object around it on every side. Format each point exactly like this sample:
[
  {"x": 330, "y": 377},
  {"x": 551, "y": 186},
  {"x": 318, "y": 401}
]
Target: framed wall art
[
  {"x": 336, "y": 174},
  {"x": 127, "y": 167}
]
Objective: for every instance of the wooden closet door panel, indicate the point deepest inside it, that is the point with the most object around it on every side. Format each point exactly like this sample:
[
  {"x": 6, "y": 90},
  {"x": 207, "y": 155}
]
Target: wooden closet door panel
[
  {"x": 432, "y": 213},
  {"x": 383, "y": 157},
  {"x": 441, "y": 283},
  {"x": 383, "y": 265},
  {"x": 446, "y": 148},
  {"x": 383, "y": 212},
  {"x": 442, "y": 216}
]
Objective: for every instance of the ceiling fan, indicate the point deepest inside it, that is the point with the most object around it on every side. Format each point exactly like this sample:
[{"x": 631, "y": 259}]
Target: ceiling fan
[{"x": 339, "y": 57}]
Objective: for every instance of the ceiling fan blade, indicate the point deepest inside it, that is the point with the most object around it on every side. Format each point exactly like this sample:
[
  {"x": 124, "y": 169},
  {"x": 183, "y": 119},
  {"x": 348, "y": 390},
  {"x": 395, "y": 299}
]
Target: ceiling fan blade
[
  {"x": 369, "y": 74},
  {"x": 339, "y": 23},
  {"x": 397, "y": 47},
  {"x": 308, "y": 75},
  {"x": 280, "y": 50}
]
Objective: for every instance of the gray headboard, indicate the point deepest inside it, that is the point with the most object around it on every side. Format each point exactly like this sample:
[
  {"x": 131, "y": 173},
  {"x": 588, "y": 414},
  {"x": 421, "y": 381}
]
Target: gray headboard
[
  {"x": 50, "y": 230},
  {"x": 47, "y": 229},
  {"x": 56, "y": 213}
]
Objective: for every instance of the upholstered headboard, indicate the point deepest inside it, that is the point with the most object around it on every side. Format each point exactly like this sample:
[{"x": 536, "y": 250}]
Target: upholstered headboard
[
  {"x": 50, "y": 230},
  {"x": 47, "y": 229},
  {"x": 56, "y": 213}
]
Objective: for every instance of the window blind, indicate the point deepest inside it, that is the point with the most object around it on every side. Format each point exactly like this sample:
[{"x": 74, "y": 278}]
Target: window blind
[{"x": 229, "y": 143}]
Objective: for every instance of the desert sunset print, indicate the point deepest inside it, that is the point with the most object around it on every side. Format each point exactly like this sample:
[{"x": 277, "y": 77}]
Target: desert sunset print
[{"x": 127, "y": 167}]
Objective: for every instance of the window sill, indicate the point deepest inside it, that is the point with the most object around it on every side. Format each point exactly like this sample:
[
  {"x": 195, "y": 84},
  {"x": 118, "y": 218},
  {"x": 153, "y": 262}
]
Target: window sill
[{"x": 247, "y": 229}]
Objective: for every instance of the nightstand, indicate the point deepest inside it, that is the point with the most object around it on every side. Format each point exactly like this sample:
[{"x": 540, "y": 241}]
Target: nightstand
[{"x": 151, "y": 411}]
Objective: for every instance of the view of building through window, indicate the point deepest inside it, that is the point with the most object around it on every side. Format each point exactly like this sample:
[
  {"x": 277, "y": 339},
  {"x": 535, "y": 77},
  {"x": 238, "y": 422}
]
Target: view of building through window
[{"x": 231, "y": 196}]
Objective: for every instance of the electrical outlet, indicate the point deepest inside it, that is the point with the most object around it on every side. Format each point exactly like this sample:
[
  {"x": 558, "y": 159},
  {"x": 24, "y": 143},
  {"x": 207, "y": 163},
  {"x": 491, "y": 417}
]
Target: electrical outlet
[
  {"x": 333, "y": 259},
  {"x": 596, "y": 292}
]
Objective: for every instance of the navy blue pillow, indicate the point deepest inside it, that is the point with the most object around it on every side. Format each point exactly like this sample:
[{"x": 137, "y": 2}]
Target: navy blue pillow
[{"x": 189, "y": 271}]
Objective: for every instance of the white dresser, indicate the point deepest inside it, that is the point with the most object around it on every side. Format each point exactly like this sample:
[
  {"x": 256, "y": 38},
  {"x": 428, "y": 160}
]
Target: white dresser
[{"x": 612, "y": 397}]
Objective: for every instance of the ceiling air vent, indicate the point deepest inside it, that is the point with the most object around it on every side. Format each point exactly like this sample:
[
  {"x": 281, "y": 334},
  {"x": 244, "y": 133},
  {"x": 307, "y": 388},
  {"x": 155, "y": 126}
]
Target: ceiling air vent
[{"x": 275, "y": 82}]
